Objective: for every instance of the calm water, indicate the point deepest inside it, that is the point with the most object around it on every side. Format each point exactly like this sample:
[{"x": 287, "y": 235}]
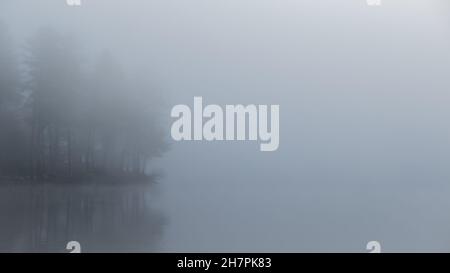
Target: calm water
[{"x": 107, "y": 218}]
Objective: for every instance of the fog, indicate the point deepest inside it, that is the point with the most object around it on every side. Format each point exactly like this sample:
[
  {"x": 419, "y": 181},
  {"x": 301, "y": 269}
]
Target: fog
[{"x": 364, "y": 132}]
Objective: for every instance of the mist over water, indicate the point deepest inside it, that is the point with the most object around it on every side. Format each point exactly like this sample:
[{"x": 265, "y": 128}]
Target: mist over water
[
  {"x": 102, "y": 218},
  {"x": 364, "y": 133}
]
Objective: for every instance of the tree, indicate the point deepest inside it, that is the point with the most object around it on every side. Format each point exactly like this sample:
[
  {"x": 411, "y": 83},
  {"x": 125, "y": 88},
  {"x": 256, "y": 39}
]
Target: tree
[
  {"x": 54, "y": 80},
  {"x": 11, "y": 134},
  {"x": 126, "y": 131},
  {"x": 87, "y": 124}
]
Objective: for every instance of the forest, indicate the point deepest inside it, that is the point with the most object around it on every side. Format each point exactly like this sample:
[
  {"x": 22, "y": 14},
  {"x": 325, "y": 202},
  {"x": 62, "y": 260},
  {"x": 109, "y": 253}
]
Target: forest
[{"x": 67, "y": 116}]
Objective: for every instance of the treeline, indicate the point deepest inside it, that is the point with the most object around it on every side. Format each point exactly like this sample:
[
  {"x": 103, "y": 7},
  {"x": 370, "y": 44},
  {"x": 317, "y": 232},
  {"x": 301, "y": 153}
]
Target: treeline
[{"x": 62, "y": 116}]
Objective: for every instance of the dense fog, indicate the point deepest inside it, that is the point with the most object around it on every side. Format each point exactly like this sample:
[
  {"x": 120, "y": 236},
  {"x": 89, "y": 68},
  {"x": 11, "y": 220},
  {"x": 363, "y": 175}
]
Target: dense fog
[{"x": 86, "y": 152}]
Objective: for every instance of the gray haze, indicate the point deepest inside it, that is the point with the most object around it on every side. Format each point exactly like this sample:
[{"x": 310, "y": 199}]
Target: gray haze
[{"x": 364, "y": 96}]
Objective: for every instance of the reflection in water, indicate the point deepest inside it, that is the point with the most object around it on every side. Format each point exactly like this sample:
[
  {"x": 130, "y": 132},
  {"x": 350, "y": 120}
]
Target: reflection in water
[{"x": 43, "y": 217}]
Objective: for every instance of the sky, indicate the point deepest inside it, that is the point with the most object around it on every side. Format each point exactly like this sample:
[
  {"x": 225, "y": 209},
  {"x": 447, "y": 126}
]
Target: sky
[{"x": 363, "y": 94}]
